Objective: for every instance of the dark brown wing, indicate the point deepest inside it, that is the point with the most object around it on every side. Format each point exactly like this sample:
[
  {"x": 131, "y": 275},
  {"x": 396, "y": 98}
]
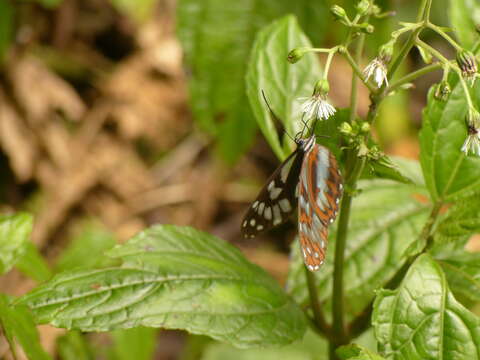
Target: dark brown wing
[
  {"x": 277, "y": 200},
  {"x": 320, "y": 189}
]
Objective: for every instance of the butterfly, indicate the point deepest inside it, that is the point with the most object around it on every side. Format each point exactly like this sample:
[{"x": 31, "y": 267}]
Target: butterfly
[{"x": 310, "y": 179}]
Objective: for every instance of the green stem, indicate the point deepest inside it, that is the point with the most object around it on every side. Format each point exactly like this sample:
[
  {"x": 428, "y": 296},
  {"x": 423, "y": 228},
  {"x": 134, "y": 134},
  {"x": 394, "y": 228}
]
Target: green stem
[
  {"x": 356, "y": 167},
  {"x": 354, "y": 83},
  {"x": 329, "y": 62},
  {"x": 465, "y": 88},
  {"x": 320, "y": 322},
  {"x": 356, "y": 69},
  {"x": 446, "y": 62},
  {"x": 432, "y": 51},
  {"x": 321, "y": 50},
  {"x": 443, "y": 34},
  {"x": 423, "y": 14},
  {"x": 414, "y": 75}
]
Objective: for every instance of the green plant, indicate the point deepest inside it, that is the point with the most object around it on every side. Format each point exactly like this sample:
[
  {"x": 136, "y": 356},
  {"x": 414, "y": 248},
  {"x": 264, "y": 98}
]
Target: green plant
[{"x": 397, "y": 283}]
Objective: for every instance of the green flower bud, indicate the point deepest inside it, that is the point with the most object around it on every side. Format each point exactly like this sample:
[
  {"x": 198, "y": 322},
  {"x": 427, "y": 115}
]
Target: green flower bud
[
  {"x": 365, "y": 28},
  {"x": 296, "y": 54},
  {"x": 442, "y": 91},
  {"x": 322, "y": 87},
  {"x": 340, "y": 14},
  {"x": 473, "y": 118},
  {"x": 345, "y": 128},
  {"x": 363, "y": 6},
  {"x": 467, "y": 63},
  {"x": 386, "y": 52},
  {"x": 365, "y": 127}
]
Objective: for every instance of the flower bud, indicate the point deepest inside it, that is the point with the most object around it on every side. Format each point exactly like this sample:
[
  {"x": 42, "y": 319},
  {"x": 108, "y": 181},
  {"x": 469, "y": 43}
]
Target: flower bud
[
  {"x": 340, "y": 14},
  {"x": 296, "y": 54},
  {"x": 345, "y": 128},
  {"x": 365, "y": 28},
  {"x": 322, "y": 87},
  {"x": 386, "y": 51},
  {"x": 365, "y": 127},
  {"x": 468, "y": 64},
  {"x": 363, "y": 6},
  {"x": 442, "y": 91},
  {"x": 473, "y": 118}
]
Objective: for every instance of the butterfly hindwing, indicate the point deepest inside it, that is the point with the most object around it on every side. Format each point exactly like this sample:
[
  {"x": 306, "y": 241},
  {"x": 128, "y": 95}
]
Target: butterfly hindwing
[
  {"x": 277, "y": 200},
  {"x": 320, "y": 189}
]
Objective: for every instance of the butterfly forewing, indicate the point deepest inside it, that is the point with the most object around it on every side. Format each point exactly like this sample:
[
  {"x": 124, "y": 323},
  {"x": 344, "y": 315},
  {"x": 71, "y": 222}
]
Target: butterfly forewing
[
  {"x": 320, "y": 189},
  {"x": 277, "y": 200}
]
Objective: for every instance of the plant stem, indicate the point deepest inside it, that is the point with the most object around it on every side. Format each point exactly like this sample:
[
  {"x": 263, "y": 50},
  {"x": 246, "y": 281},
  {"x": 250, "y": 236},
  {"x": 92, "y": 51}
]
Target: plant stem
[
  {"x": 358, "y": 72},
  {"x": 423, "y": 14},
  {"x": 320, "y": 322},
  {"x": 354, "y": 83},
  {"x": 329, "y": 62},
  {"x": 443, "y": 34},
  {"x": 414, "y": 75},
  {"x": 353, "y": 171}
]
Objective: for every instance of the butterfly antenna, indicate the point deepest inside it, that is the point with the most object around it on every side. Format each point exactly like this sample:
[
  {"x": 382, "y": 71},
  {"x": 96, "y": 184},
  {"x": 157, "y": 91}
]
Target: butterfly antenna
[
  {"x": 272, "y": 114},
  {"x": 304, "y": 123}
]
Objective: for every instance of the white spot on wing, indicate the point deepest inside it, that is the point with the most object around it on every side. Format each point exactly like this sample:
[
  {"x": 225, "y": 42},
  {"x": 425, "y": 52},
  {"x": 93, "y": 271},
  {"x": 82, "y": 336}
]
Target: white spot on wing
[
  {"x": 255, "y": 204},
  {"x": 285, "y": 205},
  {"x": 244, "y": 223},
  {"x": 260, "y": 208},
  {"x": 268, "y": 213},
  {"x": 286, "y": 169},
  {"x": 259, "y": 227},
  {"x": 271, "y": 185},
  {"x": 277, "y": 217},
  {"x": 274, "y": 192},
  {"x": 252, "y": 222}
]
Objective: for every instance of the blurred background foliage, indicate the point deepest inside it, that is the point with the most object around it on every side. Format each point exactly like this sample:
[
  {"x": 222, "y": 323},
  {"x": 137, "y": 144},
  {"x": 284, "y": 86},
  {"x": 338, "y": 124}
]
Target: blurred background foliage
[{"x": 116, "y": 114}]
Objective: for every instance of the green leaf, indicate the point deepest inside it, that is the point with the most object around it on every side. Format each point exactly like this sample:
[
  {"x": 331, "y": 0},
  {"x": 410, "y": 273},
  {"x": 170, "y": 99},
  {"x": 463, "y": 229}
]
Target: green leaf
[
  {"x": 139, "y": 10},
  {"x": 328, "y": 133},
  {"x": 422, "y": 319},
  {"x": 386, "y": 218},
  {"x": 356, "y": 352},
  {"x": 217, "y": 40},
  {"x": 310, "y": 347},
  {"x": 409, "y": 168},
  {"x": 86, "y": 249},
  {"x": 73, "y": 346},
  {"x": 282, "y": 82},
  {"x": 33, "y": 264},
  {"x": 384, "y": 168},
  {"x": 14, "y": 235},
  {"x": 465, "y": 17},
  {"x": 462, "y": 270},
  {"x": 17, "y": 324},
  {"x": 174, "y": 278},
  {"x": 136, "y": 343},
  {"x": 462, "y": 219},
  {"x": 449, "y": 173}
]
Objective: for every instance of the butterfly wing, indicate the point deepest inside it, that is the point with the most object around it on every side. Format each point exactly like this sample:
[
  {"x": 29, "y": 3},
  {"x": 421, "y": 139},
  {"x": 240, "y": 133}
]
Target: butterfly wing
[
  {"x": 277, "y": 200},
  {"x": 320, "y": 189}
]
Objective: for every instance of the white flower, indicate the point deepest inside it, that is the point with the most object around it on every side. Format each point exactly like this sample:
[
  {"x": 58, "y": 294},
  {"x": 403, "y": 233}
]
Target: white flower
[
  {"x": 317, "y": 107},
  {"x": 472, "y": 142},
  {"x": 378, "y": 69}
]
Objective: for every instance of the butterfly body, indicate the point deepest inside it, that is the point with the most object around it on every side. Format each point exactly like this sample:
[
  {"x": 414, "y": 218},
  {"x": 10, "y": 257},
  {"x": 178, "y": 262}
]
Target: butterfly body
[{"x": 309, "y": 178}]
